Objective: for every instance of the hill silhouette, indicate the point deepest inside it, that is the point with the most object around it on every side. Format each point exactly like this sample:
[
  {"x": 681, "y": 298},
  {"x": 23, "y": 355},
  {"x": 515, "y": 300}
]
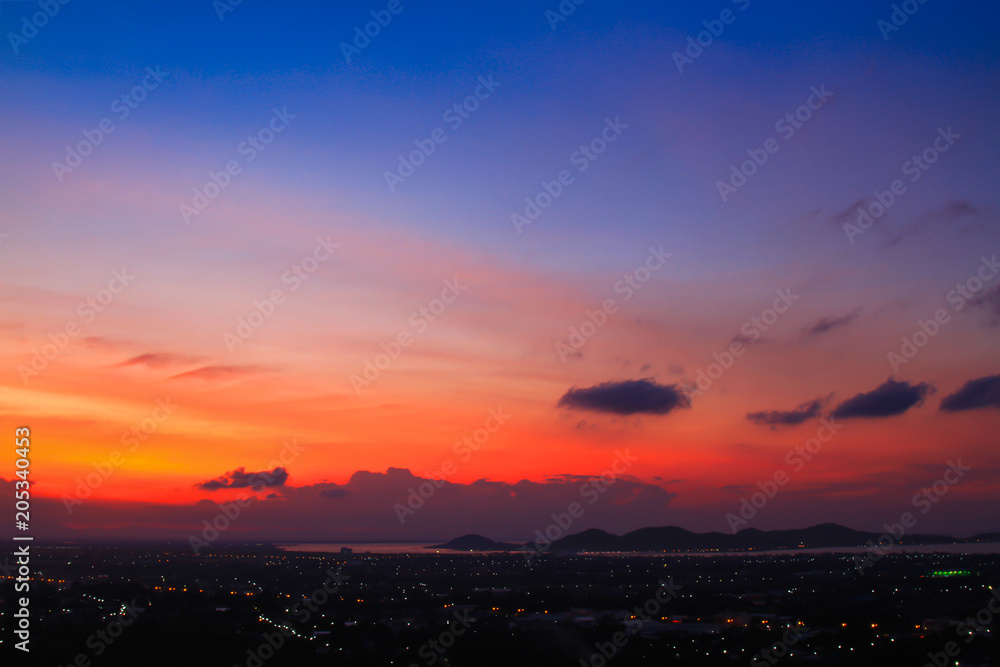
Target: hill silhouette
[{"x": 673, "y": 539}]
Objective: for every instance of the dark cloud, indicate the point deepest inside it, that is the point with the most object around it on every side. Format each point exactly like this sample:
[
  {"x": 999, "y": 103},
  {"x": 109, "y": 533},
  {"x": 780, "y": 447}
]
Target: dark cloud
[
  {"x": 803, "y": 412},
  {"x": 335, "y": 491},
  {"x": 979, "y": 393},
  {"x": 832, "y": 322},
  {"x": 627, "y": 398},
  {"x": 371, "y": 506},
  {"x": 566, "y": 477},
  {"x": 241, "y": 479},
  {"x": 218, "y": 373},
  {"x": 889, "y": 398}
]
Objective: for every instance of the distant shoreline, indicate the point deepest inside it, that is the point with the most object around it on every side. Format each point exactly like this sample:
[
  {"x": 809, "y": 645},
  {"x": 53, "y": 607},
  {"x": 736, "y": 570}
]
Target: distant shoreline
[{"x": 388, "y": 548}]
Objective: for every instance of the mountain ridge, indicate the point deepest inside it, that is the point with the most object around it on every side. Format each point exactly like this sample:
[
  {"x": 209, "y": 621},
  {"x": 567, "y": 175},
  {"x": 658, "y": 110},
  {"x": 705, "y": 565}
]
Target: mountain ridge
[{"x": 669, "y": 539}]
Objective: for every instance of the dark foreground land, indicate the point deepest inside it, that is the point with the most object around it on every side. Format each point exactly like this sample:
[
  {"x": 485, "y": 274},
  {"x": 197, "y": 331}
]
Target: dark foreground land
[{"x": 255, "y": 605}]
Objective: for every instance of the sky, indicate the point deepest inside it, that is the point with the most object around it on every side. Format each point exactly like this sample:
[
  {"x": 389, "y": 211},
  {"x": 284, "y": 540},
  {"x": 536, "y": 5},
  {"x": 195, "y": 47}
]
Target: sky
[{"x": 721, "y": 266}]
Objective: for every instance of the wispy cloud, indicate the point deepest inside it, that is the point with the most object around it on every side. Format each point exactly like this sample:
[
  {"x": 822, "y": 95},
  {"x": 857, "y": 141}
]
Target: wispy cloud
[{"x": 804, "y": 412}]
